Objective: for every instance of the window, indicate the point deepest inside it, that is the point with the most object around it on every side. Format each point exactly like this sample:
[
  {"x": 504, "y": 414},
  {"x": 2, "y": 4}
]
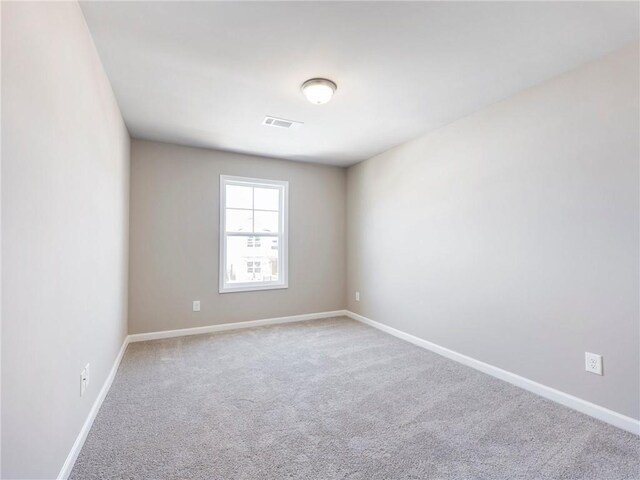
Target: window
[{"x": 253, "y": 234}]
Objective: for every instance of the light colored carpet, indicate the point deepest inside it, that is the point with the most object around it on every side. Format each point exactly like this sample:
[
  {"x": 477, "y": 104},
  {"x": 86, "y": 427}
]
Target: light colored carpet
[{"x": 333, "y": 399}]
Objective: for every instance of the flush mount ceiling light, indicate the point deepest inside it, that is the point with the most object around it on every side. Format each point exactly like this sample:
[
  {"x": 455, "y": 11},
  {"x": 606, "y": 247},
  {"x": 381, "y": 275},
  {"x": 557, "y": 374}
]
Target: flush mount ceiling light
[{"x": 318, "y": 90}]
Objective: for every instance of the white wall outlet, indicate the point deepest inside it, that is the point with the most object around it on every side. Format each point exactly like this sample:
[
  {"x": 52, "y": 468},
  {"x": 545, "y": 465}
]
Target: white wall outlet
[
  {"x": 84, "y": 379},
  {"x": 196, "y": 305},
  {"x": 593, "y": 363},
  {"x": 357, "y": 296}
]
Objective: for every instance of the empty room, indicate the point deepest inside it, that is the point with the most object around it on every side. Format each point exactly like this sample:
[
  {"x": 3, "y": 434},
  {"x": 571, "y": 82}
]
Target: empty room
[{"x": 318, "y": 240}]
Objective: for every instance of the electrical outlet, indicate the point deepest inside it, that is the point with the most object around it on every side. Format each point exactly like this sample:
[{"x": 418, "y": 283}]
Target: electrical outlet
[
  {"x": 196, "y": 305},
  {"x": 593, "y": 363},
  {"x": 84, "y": 380},
  {"x": 357, "y": 296}
]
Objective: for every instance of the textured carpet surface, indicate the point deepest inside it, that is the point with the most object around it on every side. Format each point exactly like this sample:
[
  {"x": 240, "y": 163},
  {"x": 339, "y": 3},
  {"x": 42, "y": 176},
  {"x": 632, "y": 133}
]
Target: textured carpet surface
[{"x": 333, "y": 399}]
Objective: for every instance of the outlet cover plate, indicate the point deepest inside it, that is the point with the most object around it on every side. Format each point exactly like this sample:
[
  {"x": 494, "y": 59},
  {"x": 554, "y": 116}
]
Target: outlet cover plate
[
  {"x": 84, "y": 381},
  {"x": 593, "y": 363}
]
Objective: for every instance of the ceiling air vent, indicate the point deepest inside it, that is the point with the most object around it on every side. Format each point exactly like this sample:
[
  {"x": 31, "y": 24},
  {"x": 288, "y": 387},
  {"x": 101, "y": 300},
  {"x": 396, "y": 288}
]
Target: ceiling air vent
[{"x": 280, "y": 123}]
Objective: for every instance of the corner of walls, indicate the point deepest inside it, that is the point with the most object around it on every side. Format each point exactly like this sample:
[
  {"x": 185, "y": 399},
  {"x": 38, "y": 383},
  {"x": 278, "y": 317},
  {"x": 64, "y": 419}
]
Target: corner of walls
[
  {"x": 345, "y": 256},
  {"x": 125, "y": 154}
]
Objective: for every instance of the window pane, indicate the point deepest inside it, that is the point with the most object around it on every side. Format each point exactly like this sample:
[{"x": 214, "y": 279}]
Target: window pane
[
  {"x": 251, "y": 263},
  {"x": 239, "y": 220},
  {"x": 239, "y": 197},
  {"x": 266, "y": 222},
  {"x": 267, "y": 198}
]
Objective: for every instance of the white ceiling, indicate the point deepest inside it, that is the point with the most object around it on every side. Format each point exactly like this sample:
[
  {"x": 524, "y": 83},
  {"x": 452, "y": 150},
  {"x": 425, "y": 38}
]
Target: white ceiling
[{"x": 205, "y": 74}]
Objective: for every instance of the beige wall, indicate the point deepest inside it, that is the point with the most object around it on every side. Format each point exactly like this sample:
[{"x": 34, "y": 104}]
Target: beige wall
[
  {"x": 511, "y": 236},
  {"x": 65, "y": 191},
  {"x": 174, "y": 238}
]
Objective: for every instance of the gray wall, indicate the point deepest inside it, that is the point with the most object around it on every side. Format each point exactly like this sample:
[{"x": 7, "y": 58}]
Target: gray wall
[
  {"x": 65, "y": 173},
  {"x": 511, "y": 235},
  {"x": 174, "y": 238}
]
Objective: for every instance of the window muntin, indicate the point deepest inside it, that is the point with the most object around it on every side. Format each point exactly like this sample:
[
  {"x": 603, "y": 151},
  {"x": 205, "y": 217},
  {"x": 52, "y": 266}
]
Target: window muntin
[{"x": 253, "y": 234}]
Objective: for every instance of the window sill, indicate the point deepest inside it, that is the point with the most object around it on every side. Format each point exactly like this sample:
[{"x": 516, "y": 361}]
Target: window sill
[{"x": 252, "y": 288}]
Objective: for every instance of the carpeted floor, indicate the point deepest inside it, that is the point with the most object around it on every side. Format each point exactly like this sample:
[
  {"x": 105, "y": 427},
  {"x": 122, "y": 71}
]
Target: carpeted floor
[{"x": 333, "y": 399}]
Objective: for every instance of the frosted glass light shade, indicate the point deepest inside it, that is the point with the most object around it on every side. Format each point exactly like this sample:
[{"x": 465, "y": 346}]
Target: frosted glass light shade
[{"x": 318, "y": 90}]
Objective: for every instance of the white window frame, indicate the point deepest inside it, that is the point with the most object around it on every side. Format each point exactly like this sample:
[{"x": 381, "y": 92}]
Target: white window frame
[{"x": 282, "y": 235}]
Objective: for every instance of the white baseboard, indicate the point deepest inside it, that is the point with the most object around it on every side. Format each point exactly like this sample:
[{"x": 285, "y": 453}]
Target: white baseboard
[
  {"x": 626, "y": 423},
  {"x": 609, "y": 416},
  {"x": 84, "y": 431},
  {"x": 141, "y": 337}
]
